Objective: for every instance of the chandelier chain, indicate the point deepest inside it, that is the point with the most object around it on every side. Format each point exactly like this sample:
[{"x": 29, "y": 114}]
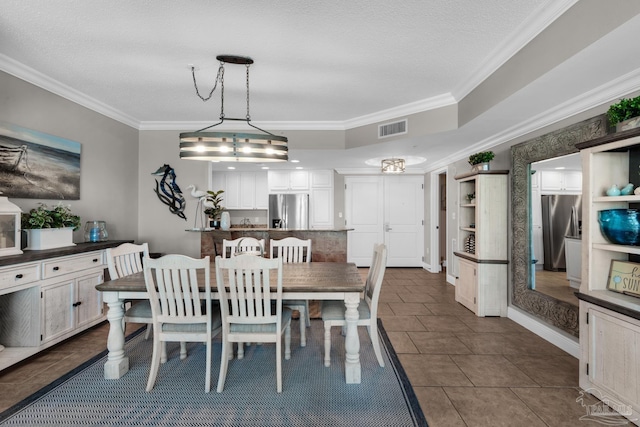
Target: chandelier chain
[
  {"x": 222, "y": 93},
  {"x": 248, "y": 115},
  {"x": 218, "y": 77}
]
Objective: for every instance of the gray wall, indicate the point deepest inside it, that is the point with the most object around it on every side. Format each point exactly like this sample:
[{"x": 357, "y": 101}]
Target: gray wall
[{"x": 109, "y": 157}]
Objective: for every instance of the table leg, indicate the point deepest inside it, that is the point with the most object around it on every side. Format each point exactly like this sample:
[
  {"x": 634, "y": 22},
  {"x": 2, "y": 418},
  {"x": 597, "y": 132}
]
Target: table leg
[
  {"x": 352, "y": 341},
  {"x": 117, "y": 363}
]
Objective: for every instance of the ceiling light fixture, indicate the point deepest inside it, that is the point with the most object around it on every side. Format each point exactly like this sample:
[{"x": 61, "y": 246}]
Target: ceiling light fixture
[
  {"x": 232, "y": 146},
  {"x": 392, "y": 165}
]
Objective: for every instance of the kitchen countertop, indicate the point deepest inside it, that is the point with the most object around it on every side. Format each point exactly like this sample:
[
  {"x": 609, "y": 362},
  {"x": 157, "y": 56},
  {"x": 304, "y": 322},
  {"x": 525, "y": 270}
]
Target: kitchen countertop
[{"x": 269, "y": 229}]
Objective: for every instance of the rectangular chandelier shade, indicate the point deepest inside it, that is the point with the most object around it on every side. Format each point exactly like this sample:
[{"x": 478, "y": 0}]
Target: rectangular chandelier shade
[{"x": 233, "y": 147}]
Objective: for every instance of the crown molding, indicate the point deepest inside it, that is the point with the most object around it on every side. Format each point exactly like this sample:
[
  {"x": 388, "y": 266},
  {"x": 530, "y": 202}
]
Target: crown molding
[
  {"x": 608, "y": 92},
  {"x": 520, "y": 37},
  {"x": 229, "y": 126},
  {"x": 36, "y": 78}
]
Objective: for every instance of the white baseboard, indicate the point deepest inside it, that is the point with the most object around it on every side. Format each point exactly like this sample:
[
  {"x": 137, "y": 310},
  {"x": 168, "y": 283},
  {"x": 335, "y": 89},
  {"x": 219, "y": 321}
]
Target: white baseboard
[
  {"x": 558, "y": 338},
  {"x": 451, "y": 279}
]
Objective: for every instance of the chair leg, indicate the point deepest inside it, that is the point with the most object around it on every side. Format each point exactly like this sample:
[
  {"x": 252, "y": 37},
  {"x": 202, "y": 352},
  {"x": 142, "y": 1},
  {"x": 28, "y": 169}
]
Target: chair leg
[
  {"x": 148, "y": 331},
  {"x": 163, "y": 357},
  {"x": 307, "y": 317},
  {"x": 207, "y": 385},
  {"x": 327, "y": 344},
  {"x": 287, "y": 342},
  {"x": 155, "y": 363},
  {"x": 183, "y": 350},
  {"x": 240, "y": 351},
  {"x": 224, "y": 363},
  {"x": 279, "y": 364},
  {"x": 302, "y": 320},
  {"x": 375, "y": 341}
]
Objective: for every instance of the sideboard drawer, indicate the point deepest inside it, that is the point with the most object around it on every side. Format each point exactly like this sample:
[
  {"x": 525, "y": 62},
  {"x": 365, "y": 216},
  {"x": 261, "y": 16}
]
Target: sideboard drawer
[
  {"x": 60, "y": 266},
  {"x": 27, "y": 273}
]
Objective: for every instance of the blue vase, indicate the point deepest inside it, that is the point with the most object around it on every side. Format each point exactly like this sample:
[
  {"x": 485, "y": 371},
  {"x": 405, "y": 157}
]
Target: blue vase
[{"x": 620, "y": 226}]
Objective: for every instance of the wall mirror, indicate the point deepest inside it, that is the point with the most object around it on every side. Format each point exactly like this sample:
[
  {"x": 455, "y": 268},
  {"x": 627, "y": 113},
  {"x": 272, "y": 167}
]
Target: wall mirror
[{"x": 558, "y": 313}]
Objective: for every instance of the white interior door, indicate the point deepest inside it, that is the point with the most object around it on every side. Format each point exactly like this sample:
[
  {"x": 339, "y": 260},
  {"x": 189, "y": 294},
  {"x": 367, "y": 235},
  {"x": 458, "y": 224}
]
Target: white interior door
[
  {"x": 403, "y": 220},
  {"x": 385, "y": 210},
  {"x": 364, "y": 214}
]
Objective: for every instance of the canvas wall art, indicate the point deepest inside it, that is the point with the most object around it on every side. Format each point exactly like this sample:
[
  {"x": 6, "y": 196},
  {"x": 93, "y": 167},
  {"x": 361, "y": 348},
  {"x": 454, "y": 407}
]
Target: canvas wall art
[{"x": 35, "y": 165}]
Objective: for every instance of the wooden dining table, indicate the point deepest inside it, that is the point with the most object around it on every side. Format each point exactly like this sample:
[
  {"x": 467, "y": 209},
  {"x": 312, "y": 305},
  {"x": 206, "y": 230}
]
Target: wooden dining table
[{"x": 314, "y": 281}]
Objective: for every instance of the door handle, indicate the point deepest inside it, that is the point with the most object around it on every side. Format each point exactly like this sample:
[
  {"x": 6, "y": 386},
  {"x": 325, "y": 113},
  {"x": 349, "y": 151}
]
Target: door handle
[{"x": 387, "y": 228}]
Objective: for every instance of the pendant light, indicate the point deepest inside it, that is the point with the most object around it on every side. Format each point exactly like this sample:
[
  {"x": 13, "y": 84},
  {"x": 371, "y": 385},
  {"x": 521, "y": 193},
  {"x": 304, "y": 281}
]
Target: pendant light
[{"x": 232, "y": 146}]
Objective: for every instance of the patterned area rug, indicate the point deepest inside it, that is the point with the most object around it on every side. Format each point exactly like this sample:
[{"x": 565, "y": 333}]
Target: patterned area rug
[{"x": 312, "y": 394}]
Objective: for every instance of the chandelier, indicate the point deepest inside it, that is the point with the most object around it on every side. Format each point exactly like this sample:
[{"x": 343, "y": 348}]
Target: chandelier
[
  {"x": 231, "y": 146},
  {"x": 392, "y": 165}
]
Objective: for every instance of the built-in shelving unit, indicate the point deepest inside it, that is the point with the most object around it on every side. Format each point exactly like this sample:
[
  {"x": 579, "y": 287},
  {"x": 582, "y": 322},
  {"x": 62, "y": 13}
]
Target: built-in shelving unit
[
  {"x": 482, "y": 257},
  {"x": 609, "y": 321}
]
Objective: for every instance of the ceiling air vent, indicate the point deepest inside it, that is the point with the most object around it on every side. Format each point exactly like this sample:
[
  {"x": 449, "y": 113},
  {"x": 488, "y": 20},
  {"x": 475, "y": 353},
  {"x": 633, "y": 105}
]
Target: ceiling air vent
[{"x": 391, "y": 129}]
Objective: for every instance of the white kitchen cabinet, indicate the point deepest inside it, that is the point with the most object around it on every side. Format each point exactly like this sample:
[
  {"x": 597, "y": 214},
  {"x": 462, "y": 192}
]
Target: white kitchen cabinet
[
  {"x": 561, "y": 182},
  {"x": 321, "y": 199},
  {"x": 242, "y": 190},
  {"x": 482, "y": 274},
  {"x": 45, "y": 301},
  {"x": 283, "y": 181}
]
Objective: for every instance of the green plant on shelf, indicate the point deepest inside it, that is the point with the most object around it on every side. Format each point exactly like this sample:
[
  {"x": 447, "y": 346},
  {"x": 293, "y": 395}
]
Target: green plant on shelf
[
  {"x": 481, "y": 157},
  {"x": 626, "y": 109},
  {"x": 60, "y": 216}
]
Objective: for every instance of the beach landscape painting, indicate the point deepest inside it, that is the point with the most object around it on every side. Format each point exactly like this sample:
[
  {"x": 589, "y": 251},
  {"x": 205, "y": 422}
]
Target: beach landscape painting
[{"x": 35, "y": 165}]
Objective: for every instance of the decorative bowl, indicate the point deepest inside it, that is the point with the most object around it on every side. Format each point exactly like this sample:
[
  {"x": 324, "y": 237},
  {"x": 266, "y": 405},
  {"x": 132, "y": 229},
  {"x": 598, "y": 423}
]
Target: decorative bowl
[{"x": 620, "y": 226}]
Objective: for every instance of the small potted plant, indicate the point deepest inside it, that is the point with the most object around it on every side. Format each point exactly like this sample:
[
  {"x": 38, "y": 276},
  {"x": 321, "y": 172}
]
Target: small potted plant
[
  {"x": 480, "y": 161},
  {"x": 471, "y": 197},
  {"x": 213, "y": 207},
  {"x": 625, "y": 114},
  {"x": 49, "y": 228}
]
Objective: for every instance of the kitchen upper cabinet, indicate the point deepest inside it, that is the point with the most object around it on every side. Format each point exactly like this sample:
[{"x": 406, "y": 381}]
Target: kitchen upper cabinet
[
  {"x": 242, "y": 190},
  {"x": 321, "y": 199},
  {"x": 569, "y": 182},
  {"x": 288, "y": 181}
]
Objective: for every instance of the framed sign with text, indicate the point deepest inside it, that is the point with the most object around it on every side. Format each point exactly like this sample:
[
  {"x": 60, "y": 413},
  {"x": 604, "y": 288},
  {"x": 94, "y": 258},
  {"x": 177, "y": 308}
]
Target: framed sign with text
[{"x": 624, "y": 277}]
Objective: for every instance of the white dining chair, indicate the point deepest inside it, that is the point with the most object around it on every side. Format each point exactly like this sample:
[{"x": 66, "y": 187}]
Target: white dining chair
[
  {"x": 179, "y": 313},
  {"x": 333, "y": 311},
  {"x": 294, "y": 250},
  {"x": 124, "y": 260},
  {"x": 251, "y": 312},
  {"x": 242, "y": 244}
]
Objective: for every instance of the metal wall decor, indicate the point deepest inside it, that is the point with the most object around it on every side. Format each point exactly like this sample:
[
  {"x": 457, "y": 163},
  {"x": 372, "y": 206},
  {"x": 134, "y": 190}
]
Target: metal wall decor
[
  {"x": 168, "y": 191},
  {"x": 232, "y": 146},
  {"x": 35, "y": 165}
]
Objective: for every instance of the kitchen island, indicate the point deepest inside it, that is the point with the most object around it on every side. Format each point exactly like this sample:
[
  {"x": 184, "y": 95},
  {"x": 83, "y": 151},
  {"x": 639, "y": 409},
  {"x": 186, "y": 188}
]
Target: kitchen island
[{"x": 326, "y": 245}]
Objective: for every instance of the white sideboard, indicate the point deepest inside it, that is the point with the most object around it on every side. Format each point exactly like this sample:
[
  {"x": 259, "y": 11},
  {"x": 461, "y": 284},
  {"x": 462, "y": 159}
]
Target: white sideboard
[{"x": 48, "y": 296}]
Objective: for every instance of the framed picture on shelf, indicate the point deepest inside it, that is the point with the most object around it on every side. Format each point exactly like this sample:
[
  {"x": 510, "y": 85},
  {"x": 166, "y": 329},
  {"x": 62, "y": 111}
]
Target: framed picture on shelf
[{"x": 624, "y": 277}]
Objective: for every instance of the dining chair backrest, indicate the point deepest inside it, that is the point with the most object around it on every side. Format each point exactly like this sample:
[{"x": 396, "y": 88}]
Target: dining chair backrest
[
  {"x": 173, "y": 283},
  {"x": 373, "y": 285},
  {"x": 242, "y": 244},
  {"x": 126, "y": 259},
  {"x": 291, "y": 249},
  {"x": 249, "y": 294}
]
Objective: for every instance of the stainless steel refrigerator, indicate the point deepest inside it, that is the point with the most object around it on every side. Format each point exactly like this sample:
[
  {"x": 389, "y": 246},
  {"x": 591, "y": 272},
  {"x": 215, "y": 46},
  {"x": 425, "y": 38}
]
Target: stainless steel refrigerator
[
  {"x": 561, "y": 216},
  {"x": 290, "y": 211}
]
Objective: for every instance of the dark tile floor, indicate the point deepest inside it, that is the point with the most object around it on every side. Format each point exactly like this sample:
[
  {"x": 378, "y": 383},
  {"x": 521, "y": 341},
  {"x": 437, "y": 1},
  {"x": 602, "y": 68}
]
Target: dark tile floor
[{"x": 465, "y": 370}]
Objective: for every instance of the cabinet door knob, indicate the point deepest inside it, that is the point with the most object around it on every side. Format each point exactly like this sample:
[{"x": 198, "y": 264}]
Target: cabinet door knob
[
  {"x": 56, "y": 268},
  {"x": 75, "y": 304},
  {"x": 95, "y": 260},
  {"x": 19, "y": 276}
]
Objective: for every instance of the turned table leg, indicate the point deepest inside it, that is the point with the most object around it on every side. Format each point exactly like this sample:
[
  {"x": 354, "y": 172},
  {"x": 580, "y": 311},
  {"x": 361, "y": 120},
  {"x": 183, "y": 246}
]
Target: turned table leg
[
  {"x": 352, "y": 341},
  {"x": 117, "y": 363}
]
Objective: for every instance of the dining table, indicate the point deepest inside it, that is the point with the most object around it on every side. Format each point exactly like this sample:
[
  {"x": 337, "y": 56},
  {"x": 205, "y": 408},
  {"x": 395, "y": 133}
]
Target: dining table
[{"x": 312, "y": 281}]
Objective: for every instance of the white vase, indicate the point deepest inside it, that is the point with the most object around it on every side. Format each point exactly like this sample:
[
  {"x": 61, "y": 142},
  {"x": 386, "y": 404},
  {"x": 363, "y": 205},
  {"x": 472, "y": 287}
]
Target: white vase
[
  {"x": 225, "y": 221},
  {"x": 50, "y": 238}
]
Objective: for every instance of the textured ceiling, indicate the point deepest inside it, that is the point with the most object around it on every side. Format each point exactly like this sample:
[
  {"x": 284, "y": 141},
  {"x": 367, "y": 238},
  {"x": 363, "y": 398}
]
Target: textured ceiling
[{"x": 320, "y": 63}]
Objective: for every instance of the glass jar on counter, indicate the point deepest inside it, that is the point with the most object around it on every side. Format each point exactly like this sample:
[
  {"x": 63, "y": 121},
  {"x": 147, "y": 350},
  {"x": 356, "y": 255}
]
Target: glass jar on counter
[{"x": 95, "y": 231}]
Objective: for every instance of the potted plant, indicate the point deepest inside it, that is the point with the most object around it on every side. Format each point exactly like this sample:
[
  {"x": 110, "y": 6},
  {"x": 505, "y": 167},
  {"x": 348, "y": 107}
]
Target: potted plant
[
  {"x": 214, "y": 209},
  {"x": 49, "y": 228},
  {"x": 625, "y": 114},
  {"x": 471, "y": 197},
  {"x": 480, "y": 161}
]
